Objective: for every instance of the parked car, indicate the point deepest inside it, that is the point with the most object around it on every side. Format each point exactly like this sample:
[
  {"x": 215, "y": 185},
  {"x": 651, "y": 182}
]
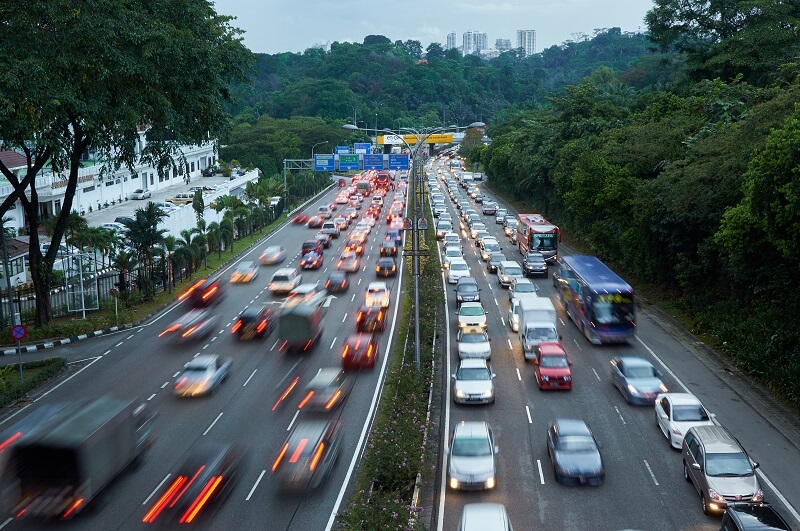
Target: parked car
[{"x": 141, "y": 193}]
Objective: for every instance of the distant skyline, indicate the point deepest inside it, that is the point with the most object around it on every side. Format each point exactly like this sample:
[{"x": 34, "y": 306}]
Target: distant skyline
[{"x": 276, "y": 26}]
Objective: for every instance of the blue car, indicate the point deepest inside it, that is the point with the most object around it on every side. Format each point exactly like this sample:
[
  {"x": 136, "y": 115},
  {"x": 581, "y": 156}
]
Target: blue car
[{"x": 637, "y": 380}]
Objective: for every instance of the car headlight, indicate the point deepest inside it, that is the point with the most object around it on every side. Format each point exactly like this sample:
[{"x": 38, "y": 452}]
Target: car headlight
[
  {"x": 567, "y": 378},
  {"x": 663, "y": 388},
  {"x": 462, "y": 324},
  {"x": 490, "y": 483},
  {"x": 459, "y": 393},
  {"x": 714, "y": 495},
  {"x": 459, "y": 298},
  {"x": 633, "y": 390},
  {"x": 758, "y": 496},
  {"x": 488, "y": 393},
  {"x": 453, "y": 483}
]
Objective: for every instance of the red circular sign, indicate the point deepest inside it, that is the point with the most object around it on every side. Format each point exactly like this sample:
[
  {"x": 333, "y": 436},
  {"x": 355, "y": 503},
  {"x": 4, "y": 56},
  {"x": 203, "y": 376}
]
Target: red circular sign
[{"x": 19, "y": 332}]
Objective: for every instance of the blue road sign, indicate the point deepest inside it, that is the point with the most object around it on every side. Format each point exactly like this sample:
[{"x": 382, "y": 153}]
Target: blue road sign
[
  {"x": 362, "y": 147},
  {"x": 342, "y": 150},
  {"x": 373, "y": 162},
  {"x": 398, "y": 161},
  {"x": 323, "y": 163}
]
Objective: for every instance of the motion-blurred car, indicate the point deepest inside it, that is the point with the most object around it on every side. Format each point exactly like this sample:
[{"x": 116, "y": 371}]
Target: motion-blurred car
[
  {"x": 377, "y": 294},
  {"x": 244, "y": 272},
  {"x": 337, "y": 282},
  {"x": 386, "y": 267},
  {"x": 315, "y": 222},
  {"x": 300, "y": 218},
  {"x": 324, "y": 239},
  {"x": 636, "y": 378},
  {"x": 745, "y": 516},
  {"x": 326, "y": 390},
  {"x": 574, "y": 452},
  {"x": 307, "y": 456},
  {"x": 500, "y": 216},
  {"x": 141, "y": 193},
  {"x": 394, "y": 235},
  {"x": 257, "y": 321},
  {"x": 471, "y": 316},
  {"x": 325, "y": 211},
  {"x": 354, "y": 246},
  {"x": 311, "y": 260},
  {"x": 274, "y": 254},
  {"x": 551, "y": 368},
  {"x": 348, "y": 262},
  {"x": 388, "y": 249},
  {"x": 471, "y": 459},
  {"x": 305, "y": 293},
  {"x": 359, "y": 351},
  {"x": 204, "y": 479},
  {"x": 342, "y": 222},
  {"x": 473, "y": 344},
  {"x": 312, "y": 244},
  {"x": 193, "y": 325},
  {"x": 203, "y": 293},
  {"x": 473, "y": 382},
  {"x": 677, "y": 412},
  {"x": 494, "y": 261},
  {"x": 202, "y": 376},
  {"x": 284, "y": 280},
  {"x": 371, "y": 319}
]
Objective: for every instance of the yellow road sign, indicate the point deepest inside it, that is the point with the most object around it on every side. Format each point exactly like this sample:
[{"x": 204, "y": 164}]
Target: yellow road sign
[{"x": 436, "y": 138}]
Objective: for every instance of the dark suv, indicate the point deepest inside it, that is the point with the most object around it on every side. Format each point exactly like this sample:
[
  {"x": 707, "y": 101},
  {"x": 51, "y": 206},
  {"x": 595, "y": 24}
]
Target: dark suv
[
  {"x": 746, "y": 516},
  {"x": 534, "y": 264},
  {"x": 467, "y": 290},
  {"x": 255, "y": 321}
]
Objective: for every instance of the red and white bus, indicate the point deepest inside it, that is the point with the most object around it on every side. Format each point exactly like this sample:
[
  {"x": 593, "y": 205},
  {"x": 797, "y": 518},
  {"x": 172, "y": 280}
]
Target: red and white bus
[{"x": 537, "y": 234}]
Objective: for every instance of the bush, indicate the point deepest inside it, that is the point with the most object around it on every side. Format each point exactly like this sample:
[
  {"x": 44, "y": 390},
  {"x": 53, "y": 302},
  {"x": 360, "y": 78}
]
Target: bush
[{"x": 43, "y": 370}]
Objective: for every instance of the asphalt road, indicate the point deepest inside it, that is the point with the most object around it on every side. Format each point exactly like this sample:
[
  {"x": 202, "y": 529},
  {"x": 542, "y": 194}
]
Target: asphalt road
[
  {"x": 644, "y": 487},
  {"x": 137, "y": 363}
]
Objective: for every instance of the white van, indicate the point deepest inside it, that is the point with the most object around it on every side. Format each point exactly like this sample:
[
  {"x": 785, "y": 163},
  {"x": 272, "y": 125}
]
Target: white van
[{"x": 285, "y": 280}]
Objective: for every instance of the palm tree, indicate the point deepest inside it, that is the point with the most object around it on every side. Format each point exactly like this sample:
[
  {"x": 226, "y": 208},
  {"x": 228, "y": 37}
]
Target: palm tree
[
  {"x": 169, "y": 244},
  {"x": 125, "y": 263},
  {"x": 76, "y": 224},
  {"x": 226, "y": 229},
  {"x": 214, "y": 237},
  {"x": 144, "y": 236},
  {"x": 241, "y": 217},
  {"x": 190, "y": 248}
]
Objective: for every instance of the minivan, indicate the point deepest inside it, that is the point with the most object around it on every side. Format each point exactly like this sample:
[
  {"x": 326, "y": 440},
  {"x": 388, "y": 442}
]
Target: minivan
[
  {"x": 285, "y": 280},
  {"x": 719, "y": 468}
]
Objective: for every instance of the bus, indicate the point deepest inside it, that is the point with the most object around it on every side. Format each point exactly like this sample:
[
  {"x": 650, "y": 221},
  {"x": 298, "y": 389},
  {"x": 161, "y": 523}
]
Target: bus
[
  {"x": 597, "y": 300},
  {"x": 535, "y": 233}
]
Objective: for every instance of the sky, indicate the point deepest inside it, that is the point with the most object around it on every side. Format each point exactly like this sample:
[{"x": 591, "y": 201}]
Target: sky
[{"x": 276, "y": 26}]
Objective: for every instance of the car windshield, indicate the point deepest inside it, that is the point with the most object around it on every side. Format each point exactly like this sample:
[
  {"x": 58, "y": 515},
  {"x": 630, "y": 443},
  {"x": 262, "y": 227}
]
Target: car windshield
[
  {"x": 576, "y": 443},
  {"x": 471, "y": 311},
  {"x": 459, "y": 266},
  {"x": 541, "y": 333},
  {"x": 473, "y": 338},
  {"x": 610, "y": 312},
  {"x": 689, "y": 413},
  {"x": 524, "y": 287},
  {"x": 728, "y": 465},
  {"x": 489, "y": 247},
  {"x": 640, "y": 372},
  {"x": 513, "y": 271},
  {"x": 474, "y": 373},
  {"x": 471, "y": 447},
  {"x": 553, "y": 362},
  {"x": 194, "y": 371},
  {"x": 468, "y": 288},
  {"x": 451, "y": 253}
]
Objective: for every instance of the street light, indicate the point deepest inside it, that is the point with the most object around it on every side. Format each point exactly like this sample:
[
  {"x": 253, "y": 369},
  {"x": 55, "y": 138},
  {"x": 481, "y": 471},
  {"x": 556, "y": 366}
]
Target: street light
[
  {"x": 314, "y": 147},
  {"x": 421, "y": 136}
]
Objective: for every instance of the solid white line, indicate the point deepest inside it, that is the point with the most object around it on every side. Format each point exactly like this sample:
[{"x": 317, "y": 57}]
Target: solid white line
[
  {"x": 152, "y": 396},
  {"x": 777, "y": 493},
  {"x": 156, "y": 489},
  {"x": 595, "y": 374},
  {"x": 528, "y": 411},
  {"x": 519, "y": 376},
  {"x": 293, "y": 419},
  {"x": 212, "y": 424},
  {"x": 541, "y": 475},
  {"x": 509, "y": 343},
  {"x": 620, "y": 415},
  {"x": 651, "y": 471},
  {"x": 118, "y": 344},
  {"x": 165, "y": 384},
  {"x": 250, "y": 494},
  {"x": 333, "y": 343},
  {"x": 248, "y": 379},
  {"x": 345, "y": 317}
]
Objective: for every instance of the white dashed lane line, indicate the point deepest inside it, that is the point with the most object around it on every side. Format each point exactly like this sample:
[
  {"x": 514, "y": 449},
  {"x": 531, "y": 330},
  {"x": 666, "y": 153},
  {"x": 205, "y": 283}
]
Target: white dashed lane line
[
  {"x": 345, "y": 317},
  {"x": 151, "y": 397},
  {"x": 595, "y": 374},
  {"x": 528, "y": 412},
  {"x": 333, "y": 342},
  {"x": 118, "y": 344},
  {"x": 250, "y": 494},
  {"x": 212, "y": 424},
  {"x": 165, "y": 384},
  {"x": 620, "y": 415},
  {"x": 176, "y": 374},
  {"x": 650, "y": 470},
  {"x": 519, "y": 376},
  {"x": 541, "y": 475},
  {"x": 249, "y": 377}
]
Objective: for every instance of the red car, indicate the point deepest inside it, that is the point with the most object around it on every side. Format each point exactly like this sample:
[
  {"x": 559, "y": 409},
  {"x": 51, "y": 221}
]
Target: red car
[
  {"x": 552, "y": 367},
  {"x": 360, "y": 351},
  {"x": 300, "y": 218}
]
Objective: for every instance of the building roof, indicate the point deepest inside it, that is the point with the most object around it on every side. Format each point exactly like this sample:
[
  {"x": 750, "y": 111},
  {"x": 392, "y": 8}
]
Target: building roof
[
  {"x": 13, "y": 160},
  {"x": 16, "y": 248}
]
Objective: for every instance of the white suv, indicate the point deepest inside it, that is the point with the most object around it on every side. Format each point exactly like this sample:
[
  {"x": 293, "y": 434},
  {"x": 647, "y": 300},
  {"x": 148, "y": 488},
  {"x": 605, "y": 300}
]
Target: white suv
[{"x": 458, "y": 268}]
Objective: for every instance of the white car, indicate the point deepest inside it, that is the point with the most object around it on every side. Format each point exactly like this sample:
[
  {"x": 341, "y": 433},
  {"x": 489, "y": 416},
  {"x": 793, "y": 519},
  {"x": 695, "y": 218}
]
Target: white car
[
  {"x": 473, "y": 344},
  {"x": 442, "y": 228},
  {"x": 451, "y": 237},
  {"x": 521, "y": 287},
  {"x": 202, "y": 375},
  {"x": 166, "y": 207},
  {"x": 458, "y": 268},
  {"x": 513, "y": 315},
  {"x": 377, "y": 294},
  {"x": 449, "y": 254},
  {"x": 500, "y": 216},
  {"x": 471, "y": 316},
  {"x": 473, "y": 383},
  {"x": 474, "y": 228},
  {"x": 115, "y": 227},
  {"x": 677, "y": 412},
  {"x": 141, "y": 193}
]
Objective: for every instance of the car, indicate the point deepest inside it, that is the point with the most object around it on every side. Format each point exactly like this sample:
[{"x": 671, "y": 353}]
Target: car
[
  {"x": 204, "y": 479},
  {"x": 500, "y": 216},
  {"x": 364, "y": 226},
  {"x": 307, "y": 456},
  {"x": 752, "y": 517},
  {"x": 474, "y": 228},
  {"x": 521, "y": 287},
  {"x": 181, "y": 199},
  {"x": 388, "y": 249},
  {"x": 324, "y": 212},
  {"x": 195, "y": 324},
  {"x": 310, "y": 292},
  {"x": 351, "y": 213},
  {"x": 473, "y": 344},
  {"x": 201, "y": 189},
  {"x": 337, "y": 282},
  {"x": 473, "y": 382},
  {"x": 324, "y": 239},
  {"x": 377, "y": 294},
  {"x": 510, "y": 227},
  {"x": 311, "y": 260},
  {"x": 386, "y": 267},
  {"x": 394, "y": 235},
  {"x": 313, "y": 244},
  {"x": 467, "y": 290},
  {"x": 494, "y": 261},
  {"x": 354, "y": 245},
  {"x": 255, "y": 321},
  {"x": 141, "y": 193},
  {"x": 202, "y": 376},
  {"x": 489, "y": 208},
  {"x": 348, "y": 262},
  {"x": 636, "y": 378},
  {"x": 371, "y": 319},
  {"x": 508, "y": 271},
  {"x": 533, "y": 263},
  {"x": 450, "y": 253},
  {"x": 513, "y": 315},
  {"x": 342, "y": 199},
  {"x": 472, "y": 457},
  {"x": 551, "y": 368},
  {"x": 115, "y": 227},
  {"x": 244, "y": 272},
  {"x": 471, "y": 316},
  {"x": 354, "y": 203},
  {"x": 451, "y": 237},
  {"x": 458, "y": 268},
  {"x": 204, "y": 292},
  {"x": 315, "y": 222},
  {"x": 481, "y": 199},
  {"x": 325, "y": 391},
  {"x": 481, "y": 235},
  {"x": 677, "y": 412},
  {"x": 360, "y": 351},
  {"x": 330, "y": 228},
  {"x": 274, "y": 254},
  {"x": 439, "y": 208},
  {"x": 483, "y": 516},
  {"x": 488, "y": 248},
  {"x": 300, "y": 218},
  {"x": 164, "y": 207},
  {"x": 342, "y": 222},
  {"x": 446, "y": 216},
  {"x": 575, "y": 453},
  {"x": 208, "y": 172},
  {"x": 284, "y": 280}
]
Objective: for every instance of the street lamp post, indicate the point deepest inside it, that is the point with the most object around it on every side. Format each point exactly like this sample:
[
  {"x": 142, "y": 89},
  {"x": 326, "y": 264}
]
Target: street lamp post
[{"x": 314, "y": 147}]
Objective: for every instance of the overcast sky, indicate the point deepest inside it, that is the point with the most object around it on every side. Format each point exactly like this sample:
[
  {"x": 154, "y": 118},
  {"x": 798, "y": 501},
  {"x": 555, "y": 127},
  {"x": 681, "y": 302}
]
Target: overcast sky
[{"x": 274, "y": 26}]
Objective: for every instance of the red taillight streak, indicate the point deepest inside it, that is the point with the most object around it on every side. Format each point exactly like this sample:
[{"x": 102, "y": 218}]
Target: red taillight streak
[
  {"x": 191, "y": 289},
  {"x": 308, "y": 344},
  {"x": 261, "y": 326},
  {"x": 72, "y": 508},
  {"x": 359, "y": 316},
  {"x": 346, "y": 349},
  {"x": 10, "y": 440},
  {"x": 369, "y": 351},
  {"x": 189, "y": 332},
  {"x": 188, "y": 484},
  {"x": 170, "y": 329},
  {"x": 280, "y": 456},
  {"x": 236, "y": 327},
  {"x": 317, "y": 455},
  {"x": 201, "y": 500},
  {"x": 286, "y": 393},
  {"x": 209, "y": 293},
  {"x": 305, "y": 400},
  {"x": 153, "y": 513},
  {"x": 333, "y": 400},
  {"x": 283, "y": 344},
  {"x": 298, "y": 452},
  {"x": 180, "y": 382},
  {"x": 380, "y": 316}
]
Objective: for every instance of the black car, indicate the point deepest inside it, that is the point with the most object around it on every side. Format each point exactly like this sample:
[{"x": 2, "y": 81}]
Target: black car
[
  {"x": 371, "y": 319},
  {"x": 534, "y": 264},
  {"x": 388, "y": 248},
  {"x": 386, "y": 267},
  {"x": 124, "y": 219},
  {"x": 394, "y": 235},
  {"x": 307, "y": 456},
  {"x": 208, "y": 172},
  {"x": 203, "y": 293},
  {"x": 323, "y": 238},
  {"x": 312, "y": 245},
  {"x": 467, "y": 290},
  {"x": 574, "y": 453},
  {"x": 337, "y": 282},
  {"x": 494, "y": 261},
  {"x": 747, "y": 516},
  {"x": 255, "y": 321}
]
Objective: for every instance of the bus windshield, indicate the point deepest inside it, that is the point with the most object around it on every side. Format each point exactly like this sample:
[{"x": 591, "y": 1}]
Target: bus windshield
[
  {"x": 543, "y": 242},
  {"x": 613, "y": 309}
]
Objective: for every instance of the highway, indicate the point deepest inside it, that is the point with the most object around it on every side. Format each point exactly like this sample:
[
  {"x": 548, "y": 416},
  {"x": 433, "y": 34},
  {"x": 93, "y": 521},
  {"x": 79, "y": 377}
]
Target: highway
[
  {"x": 137, "y": 363},
  {"x": 644, "y": 486}
]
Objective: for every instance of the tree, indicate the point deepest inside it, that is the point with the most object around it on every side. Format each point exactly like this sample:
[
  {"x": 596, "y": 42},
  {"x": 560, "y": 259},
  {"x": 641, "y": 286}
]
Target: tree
[
  {"x": 144, "y": 236},
  {"x": 169, "y": 244},
  {"x": 434, "y": 50},
  {"x": 125, "y": 263},
  {"x": 75, "y": 79},
  {"x": 199, "y": 205}
]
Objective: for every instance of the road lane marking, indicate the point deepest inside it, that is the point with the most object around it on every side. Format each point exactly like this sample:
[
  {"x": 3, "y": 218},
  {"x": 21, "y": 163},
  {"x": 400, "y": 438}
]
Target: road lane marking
[
  {"x": 215, "y": 337},
  {"x": 274, "y": 344},
  {"x": 560, "y": 320},
  {"x": 577, "y": 345},
  {"x": 519, "y": 376},
  {"x": 152, "y": 396},
  {"x": 778, "y": 494},
  {"x": 528, "y": 411},
  {"x": 503, "y": 321},
  {"x": 5, "y": 523},
  {"x": 156, "y": 489},
  {"x": 106, "y": 352},
  {"x": 620, "y": 415},
  {"x": 176, "y": 374},
  {"x": 165, "y": 384},
  {"x": 333, "y": 343},
  {"x": 212, "y": 424},
  {"x": 496, "y": 303},
  {"x": 509, "y": 343},
  {"x": 130, "y": 336},
  {"x": 293, "y": 419},
  {"x": 248, "y": 379},
  {"x": 359, "y": 283},
  {"x": 595, "y": 374},
  {"x": 252, "y": 301},
  {"x": 344, "y": 318},
  {"x": 353, "y": 297},
  {"x": 206, "y": 346},
  {"x": 118, "y": 344},
  {"x": 650, "y": 470},
  {"x": 541, "y": 475},
  {"x": 255, "y": 485},
  {"x": 195, "y": 355}
]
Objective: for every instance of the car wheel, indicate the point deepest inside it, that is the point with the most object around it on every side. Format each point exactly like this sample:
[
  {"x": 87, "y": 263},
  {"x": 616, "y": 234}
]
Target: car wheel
[
  {"x": 686, "y": 475},
  {"x": 704, "y": 504}
]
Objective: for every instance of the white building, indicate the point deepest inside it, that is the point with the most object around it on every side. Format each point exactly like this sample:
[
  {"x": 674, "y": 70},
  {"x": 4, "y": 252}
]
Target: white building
[
  {"x": 474, "y": 42},
  {"x": 451, "y": 41},
  {"x": 526, "y": 40},
  {"x": 502, "y": 45}
]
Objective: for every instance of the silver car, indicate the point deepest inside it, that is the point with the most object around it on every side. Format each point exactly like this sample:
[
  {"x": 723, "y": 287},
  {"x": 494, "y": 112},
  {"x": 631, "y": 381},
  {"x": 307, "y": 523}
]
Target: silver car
[
  {"x": 473, "y": 382},
  {"x": 141, "y": 193},
  {"x": 202, "y": 375},
  {"x": 472, "y": 457},
  {"x": 483, "y": 516},
  {"x": 473, "y": 344},
  {"x": 521, "y": 287}
]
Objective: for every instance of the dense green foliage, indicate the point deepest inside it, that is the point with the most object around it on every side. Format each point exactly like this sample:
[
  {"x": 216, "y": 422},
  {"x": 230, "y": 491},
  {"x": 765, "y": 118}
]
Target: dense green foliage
[{"x": 35, "y": 373}]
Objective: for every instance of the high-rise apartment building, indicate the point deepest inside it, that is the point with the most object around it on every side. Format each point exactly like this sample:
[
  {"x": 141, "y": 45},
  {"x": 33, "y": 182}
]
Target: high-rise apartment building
[
  {"x": 474, "y": 42},
  {"x": 526, "y": 40},
  {"x": 502, "y": 45},
  {"x": 451, "y": 41}
]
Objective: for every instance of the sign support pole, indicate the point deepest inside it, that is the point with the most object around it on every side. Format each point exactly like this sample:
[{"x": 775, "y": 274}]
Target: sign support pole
[{"x": 19, "y": 355}]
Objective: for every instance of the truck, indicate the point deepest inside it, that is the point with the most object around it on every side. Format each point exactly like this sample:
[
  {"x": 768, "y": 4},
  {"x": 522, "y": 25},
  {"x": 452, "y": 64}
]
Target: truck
[
  {"x": 537, "y": 323},
  {"x": 535, "y": 233},
  {"x": 300, "y": 326},
  {"x": 364, "y": 187},
  {"x": 478, "y": 176},
  {"x": 56, "y": 469}
]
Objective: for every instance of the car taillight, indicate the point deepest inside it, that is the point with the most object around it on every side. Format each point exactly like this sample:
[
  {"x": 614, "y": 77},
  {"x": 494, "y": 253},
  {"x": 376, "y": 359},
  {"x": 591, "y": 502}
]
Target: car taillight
[
  {"x": 280, "y": 456},
  {"x": 369, "y": 351},
  {"x": 333, "y": 400},
  {"x": 305, "y": 400},
  {"x": 170, "y": 329},
  {"x": 262, "y": 326},
  {"x": 317, "y": 455},
  {"x": 346, "y": 349},
  {"x": 162, "y": 502}
]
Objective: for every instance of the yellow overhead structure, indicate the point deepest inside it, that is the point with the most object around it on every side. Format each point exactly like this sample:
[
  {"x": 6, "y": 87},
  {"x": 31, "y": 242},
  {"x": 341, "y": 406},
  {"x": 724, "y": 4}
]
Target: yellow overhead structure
[{"x": 436, "y": 138}]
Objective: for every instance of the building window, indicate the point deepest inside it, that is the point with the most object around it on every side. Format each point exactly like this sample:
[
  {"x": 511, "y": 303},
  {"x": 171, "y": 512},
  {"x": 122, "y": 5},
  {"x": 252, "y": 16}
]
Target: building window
[
  {"x": 16, "y": 266},
  {"x": 109, "y": 183},
  {"x": 151, "y": 179},
  {"x": 134, "y": 176},
  {"x": 88, "y": 189},
  {"x": 57, "y": 207},
  {"x": 160, "y": 178},
  {"x": 192, "y": 167},
  {"x": 180, "y": 169},
  {"x": 166, "y": 174}
]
